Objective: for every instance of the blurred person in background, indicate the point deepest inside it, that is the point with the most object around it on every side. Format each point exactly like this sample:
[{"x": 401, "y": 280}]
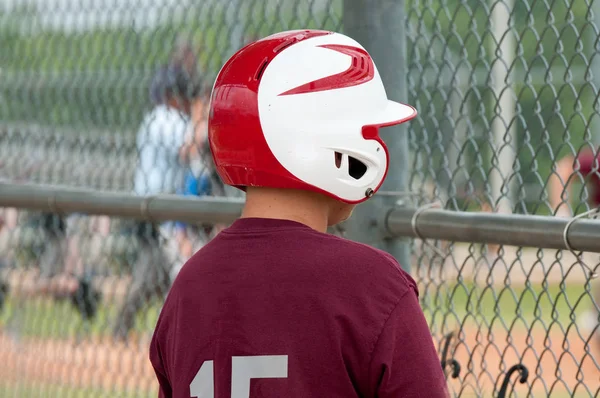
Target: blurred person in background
[
  {"x": 172, "y": 161},
  {"x": 201, "y": 178},
  {"x": 560, "y": 191},
  {"x": 42, "y": 240},
  {"x": 159, "y": 171},
  {"x": 198, "y": 181},
  {"x": 560, "y": 184},
  {"x": 62, "y": 271},
  {"x": 162, "y": 133}
]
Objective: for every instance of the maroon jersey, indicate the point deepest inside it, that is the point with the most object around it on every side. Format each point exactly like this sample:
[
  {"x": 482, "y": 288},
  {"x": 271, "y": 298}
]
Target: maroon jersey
[
  {"x": 588, "y": 166},
  {"x": 272, "y": 308}
]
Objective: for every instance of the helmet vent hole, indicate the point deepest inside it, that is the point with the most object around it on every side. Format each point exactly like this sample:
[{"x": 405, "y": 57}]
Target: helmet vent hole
[
  {"x": 338, "y": 160},
  {"x": 356, "y": 168},
  {"x": 261, "y": 69}
]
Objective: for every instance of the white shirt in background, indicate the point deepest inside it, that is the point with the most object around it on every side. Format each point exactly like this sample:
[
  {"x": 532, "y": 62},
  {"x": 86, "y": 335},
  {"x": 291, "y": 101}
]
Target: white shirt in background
[{"x": 158, "y": 142}]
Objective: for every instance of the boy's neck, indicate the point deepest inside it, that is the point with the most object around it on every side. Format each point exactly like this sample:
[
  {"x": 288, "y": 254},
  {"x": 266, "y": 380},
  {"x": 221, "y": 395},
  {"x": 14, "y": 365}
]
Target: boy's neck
[{"x": 294, "y": 205}]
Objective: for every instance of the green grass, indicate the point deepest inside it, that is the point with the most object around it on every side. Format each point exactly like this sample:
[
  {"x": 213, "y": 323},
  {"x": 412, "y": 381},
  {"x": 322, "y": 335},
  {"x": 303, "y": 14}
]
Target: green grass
[
  {"x": 449, "y": 304},
  {"x": 52, "y": 391},
  {"x": 51, "y": 319},
  {"x": 454, "y": 304}
]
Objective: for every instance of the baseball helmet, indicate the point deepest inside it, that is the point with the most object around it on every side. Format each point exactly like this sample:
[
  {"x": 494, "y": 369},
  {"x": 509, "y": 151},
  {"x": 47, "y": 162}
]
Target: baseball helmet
[{"x": 302, "y": 110}]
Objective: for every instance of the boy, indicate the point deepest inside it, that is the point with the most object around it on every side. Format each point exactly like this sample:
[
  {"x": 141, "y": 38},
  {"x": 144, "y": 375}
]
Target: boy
[{"x": 274, "y": 306}]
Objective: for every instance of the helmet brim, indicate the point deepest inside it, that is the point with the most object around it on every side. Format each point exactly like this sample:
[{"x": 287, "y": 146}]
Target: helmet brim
[{"x": 393, "y": 113}]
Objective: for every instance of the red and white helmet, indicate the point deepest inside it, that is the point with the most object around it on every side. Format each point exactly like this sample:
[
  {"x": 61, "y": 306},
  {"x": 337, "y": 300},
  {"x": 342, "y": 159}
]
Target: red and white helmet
[{"x": 302, "y": 109}]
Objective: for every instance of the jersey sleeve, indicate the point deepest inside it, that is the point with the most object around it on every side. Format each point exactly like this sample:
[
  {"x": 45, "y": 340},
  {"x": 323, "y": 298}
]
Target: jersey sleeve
[
  {"x": 164, "y": 386},
  {"x": 404, "y": 362}
]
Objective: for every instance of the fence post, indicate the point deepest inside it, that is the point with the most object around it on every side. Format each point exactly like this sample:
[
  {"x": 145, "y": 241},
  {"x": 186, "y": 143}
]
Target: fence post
[
  {"x": 504, "y": 134},
  {"x": 379, "y": 25}
]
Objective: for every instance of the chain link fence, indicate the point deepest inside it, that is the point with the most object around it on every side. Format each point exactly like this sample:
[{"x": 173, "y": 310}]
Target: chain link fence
[
  {"x": 507, "y": 93},
  {"x": 508, "y": 97}
]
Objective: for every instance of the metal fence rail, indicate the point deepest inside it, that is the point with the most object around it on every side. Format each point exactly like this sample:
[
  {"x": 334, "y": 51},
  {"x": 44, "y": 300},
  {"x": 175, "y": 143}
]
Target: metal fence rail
[
  {"x": 543, "y": 232},
  {"x": 506, "y": 139}
]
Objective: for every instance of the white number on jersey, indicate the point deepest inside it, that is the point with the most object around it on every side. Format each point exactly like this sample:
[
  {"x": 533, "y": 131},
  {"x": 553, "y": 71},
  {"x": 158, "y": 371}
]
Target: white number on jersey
[{"x": 242, "y": 370}]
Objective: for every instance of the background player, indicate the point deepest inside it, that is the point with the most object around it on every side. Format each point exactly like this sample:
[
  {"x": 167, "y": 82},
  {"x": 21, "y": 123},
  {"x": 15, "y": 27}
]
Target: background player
[
  {"x": 561, "y": 181},
  {"x": 171, "y": 161},
  {"x": 159, "y": 171},
  {"x": 47, "y": 243},
  {"x": 294, "y": 121},
  {"x": 561, "y": 194}
]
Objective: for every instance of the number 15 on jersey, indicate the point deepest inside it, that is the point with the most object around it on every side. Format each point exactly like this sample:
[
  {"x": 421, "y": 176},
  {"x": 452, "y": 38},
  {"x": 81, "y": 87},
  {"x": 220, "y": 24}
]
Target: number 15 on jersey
[{"x": 242, "y": 370}]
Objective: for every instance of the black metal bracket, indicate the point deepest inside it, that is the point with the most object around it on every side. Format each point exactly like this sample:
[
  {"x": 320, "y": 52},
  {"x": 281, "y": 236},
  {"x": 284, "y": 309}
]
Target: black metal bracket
[
  {"x": 452, "y": 362},
  {"x": 523, "y": 379}
]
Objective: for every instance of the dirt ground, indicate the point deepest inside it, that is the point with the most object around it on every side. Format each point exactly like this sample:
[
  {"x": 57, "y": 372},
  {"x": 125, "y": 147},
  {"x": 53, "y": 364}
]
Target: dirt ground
[
  {"x": 90, "y": 364},
  {"x": 483, "y": 360},
  {"x": 558, "y": 363}
]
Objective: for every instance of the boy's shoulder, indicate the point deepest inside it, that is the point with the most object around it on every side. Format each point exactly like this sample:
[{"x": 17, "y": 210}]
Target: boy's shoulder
[{"x": 371, "y": 263}]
